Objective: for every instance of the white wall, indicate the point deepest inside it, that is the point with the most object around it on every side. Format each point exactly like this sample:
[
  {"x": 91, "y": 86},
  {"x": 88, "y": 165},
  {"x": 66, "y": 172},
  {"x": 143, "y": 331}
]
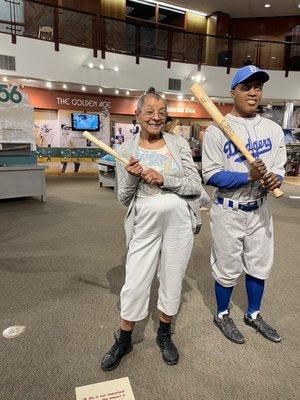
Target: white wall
[{"x": 38, "y": 59}]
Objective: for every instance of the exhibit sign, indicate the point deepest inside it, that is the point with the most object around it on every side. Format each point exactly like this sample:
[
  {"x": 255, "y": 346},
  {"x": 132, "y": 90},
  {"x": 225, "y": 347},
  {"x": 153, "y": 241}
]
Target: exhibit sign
[
  {"x": 117, "y": 389},
  {"x": 16, "y": 116},
  {"x": 10, "y": 94},
  {"x": 62, "y": 100}
]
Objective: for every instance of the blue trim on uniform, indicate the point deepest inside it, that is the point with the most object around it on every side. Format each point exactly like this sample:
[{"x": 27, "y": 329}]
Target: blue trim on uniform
[
  {"x": 228, "y": 179},
  {"x": 255, "y": 290},
  {"x": 223, "y": 295},
  {"x": 246, "y": 206},
  {"x": 280, "y": 177}
]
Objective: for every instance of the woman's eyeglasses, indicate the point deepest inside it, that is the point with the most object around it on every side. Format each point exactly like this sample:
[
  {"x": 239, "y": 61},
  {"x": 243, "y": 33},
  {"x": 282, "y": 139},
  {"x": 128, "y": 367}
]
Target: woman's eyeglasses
[{"x": 150, "y": 113}]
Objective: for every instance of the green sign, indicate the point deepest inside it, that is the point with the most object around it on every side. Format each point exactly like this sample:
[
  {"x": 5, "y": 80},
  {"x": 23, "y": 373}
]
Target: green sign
[{"x": 10, "y": 94}]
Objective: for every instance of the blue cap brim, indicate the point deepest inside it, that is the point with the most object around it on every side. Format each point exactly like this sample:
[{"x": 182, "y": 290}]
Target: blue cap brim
[{"x": 261, "y": 76}]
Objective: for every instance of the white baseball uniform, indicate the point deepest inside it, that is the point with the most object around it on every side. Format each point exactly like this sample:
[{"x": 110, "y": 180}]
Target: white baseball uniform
[{"x": 242, "y": 239}]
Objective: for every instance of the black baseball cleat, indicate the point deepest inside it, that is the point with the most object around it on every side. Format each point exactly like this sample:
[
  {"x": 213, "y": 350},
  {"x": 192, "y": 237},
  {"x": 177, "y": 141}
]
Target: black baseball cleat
[
  {"x": 228, "y": 328},
  {"x": 263, "y": 328},
  {"x": 115, "y": 354},
  {"x": 168, "y": 349}
]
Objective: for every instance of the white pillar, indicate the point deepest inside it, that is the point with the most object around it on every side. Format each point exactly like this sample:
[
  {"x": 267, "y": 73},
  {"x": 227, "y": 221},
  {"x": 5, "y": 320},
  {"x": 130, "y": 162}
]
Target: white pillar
[{"x": 287, "y": 116}]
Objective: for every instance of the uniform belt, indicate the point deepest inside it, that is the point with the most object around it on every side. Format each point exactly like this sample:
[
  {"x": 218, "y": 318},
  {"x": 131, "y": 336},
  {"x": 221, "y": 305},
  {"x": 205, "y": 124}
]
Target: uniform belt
[{"x": 243, "y": 206}]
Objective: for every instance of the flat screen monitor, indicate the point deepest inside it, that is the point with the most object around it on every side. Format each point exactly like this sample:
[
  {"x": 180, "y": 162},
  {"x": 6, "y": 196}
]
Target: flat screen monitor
[{"x": 85, "y": 122}]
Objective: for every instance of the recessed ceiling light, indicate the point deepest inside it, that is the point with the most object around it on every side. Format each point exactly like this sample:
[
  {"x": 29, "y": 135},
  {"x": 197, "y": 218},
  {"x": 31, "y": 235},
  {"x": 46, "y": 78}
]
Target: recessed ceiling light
[
  {"x": 180, "y": 97},
  {"x": 192, "y": 98},
  {"x": 116, "y": 91},
  {"x": 65, "y": 86},
  {"x": 198, "y": 78},
  {"x": 101, "y": 66},
  {"x": 193, "y": 78},
  {"x": 163, "y": 96},
  {"x": 49, "y": 85},
  {"x": 4, "y": 79},
  {"x": 171, "y": 7},
  {"x": 298, "y": 5},
  {"x": 127, "y": 92},
  {"x": 83, "y": 88},
  {"x": 267, "y": 5},
  {"x": 91, "y": 65},
  {"x": 116, "y": 68},
  {"x": 100, "y": 90}
]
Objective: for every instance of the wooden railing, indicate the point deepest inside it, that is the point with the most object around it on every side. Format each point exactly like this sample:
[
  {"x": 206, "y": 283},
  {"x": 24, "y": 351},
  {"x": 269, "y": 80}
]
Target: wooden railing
[{"x": 144, "y": 39}]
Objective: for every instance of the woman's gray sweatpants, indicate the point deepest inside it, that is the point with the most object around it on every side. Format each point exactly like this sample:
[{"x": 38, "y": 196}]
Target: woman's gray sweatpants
[{"x": 163, "y": 241}]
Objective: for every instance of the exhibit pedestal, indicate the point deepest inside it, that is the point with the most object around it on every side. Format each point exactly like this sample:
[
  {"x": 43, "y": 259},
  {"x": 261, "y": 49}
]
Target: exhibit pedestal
[{"x": 22, "y": 181}]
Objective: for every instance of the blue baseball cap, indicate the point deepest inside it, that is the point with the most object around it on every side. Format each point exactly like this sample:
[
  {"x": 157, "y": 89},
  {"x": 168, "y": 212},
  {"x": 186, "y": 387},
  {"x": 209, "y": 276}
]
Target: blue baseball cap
[{"x": 246, "y": 72}]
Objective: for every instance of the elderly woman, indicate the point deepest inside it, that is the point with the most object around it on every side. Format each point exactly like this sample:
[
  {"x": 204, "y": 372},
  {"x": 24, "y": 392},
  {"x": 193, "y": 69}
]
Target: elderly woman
[{"x": 161, "y": 187}]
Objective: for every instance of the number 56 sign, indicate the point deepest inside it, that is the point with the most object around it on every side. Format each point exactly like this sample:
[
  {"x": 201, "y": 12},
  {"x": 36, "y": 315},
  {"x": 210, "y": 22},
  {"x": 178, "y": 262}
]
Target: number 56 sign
[{"x": 8, "y": 94}]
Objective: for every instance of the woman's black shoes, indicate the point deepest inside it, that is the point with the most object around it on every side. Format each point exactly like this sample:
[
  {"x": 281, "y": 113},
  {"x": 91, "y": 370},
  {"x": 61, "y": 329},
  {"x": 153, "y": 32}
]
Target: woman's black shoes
[
  {"x": 115, "y": 354},
  {"x": 168, "y": 349}
]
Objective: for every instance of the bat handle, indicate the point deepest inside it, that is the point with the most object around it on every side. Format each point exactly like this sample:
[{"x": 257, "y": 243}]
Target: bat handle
[{"x": 277, "y": 193}]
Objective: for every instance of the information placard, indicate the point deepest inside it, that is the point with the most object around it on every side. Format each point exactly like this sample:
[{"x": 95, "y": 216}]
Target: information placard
[{"x": 117, "y": 389}]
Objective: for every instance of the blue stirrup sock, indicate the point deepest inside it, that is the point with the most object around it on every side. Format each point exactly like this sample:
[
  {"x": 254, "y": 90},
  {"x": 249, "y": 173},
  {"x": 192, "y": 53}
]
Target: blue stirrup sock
[
  {"x": 223, "y": 295},
  {"x": 255, "y": 290}
]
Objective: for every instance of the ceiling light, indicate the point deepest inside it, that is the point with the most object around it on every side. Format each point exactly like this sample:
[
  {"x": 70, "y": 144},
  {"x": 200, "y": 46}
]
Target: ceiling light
[
  {"x": 267, "y": 5},
  {"x": 193, "y": 78},
  {"x": 116, "y": 68},
  {"x": 127, "y": 92},
  {"x": 83, "y": 88},
  {"x": 273, "y": 58},
  {"x": 116, "y": 91},
  {"x": 198, "y": 78},
  {"x": 192, "y": 98},
  {"x": 4, "y": 79},
  {"x": 180, "y": 97},
  {"x": 163, "y": 96},
  {"x": 49, "y": 85},
  {"x": 65, "y": 86},
  {"x": 91, "y": 65},
  {"x": 203, "y": 79},
  {"x": 171, "y": 7},
  {"x": 298, "y": 5},
  {"x": 100, "y": 90},
  {"x": 101, "y": 66}
]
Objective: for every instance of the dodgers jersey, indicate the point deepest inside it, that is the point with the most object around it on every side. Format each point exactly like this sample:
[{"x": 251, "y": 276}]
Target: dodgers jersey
[{"x": 261, "y": 136}]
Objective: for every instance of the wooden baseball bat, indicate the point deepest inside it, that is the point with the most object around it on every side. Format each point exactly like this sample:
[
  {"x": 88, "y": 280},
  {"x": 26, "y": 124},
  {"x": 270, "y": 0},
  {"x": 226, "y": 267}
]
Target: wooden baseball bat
[
  {"x": 104, "y": 147},
  {"x": 108, "y": 149},
  {"x": 216, "y": 115}
]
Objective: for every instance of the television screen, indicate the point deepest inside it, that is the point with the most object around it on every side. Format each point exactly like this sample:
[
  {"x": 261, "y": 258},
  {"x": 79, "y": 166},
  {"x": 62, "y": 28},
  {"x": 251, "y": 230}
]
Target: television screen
[{"x": 85, "y": 122}]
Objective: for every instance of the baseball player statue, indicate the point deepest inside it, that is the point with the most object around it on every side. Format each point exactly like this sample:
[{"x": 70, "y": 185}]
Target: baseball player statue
[{"x": 241, "y": 220}]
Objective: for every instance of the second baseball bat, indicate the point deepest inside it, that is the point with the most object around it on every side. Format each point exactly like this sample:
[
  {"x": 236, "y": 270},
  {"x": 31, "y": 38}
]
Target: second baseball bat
[
  {"x": 104, "y": 147},
  {"x": 216, "y": 115}
]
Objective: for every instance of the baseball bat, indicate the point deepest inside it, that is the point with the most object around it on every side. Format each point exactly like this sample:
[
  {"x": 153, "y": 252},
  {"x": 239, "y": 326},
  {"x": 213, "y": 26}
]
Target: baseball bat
[
  {"x": 216, "y": 115},
  {"x": 108, "y": 149},
  {"x": 104, "y": 147}
]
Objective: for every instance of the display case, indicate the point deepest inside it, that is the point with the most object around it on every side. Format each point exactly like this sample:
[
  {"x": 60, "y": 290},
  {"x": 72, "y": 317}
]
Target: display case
[{"x": 292, "y": 166}]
